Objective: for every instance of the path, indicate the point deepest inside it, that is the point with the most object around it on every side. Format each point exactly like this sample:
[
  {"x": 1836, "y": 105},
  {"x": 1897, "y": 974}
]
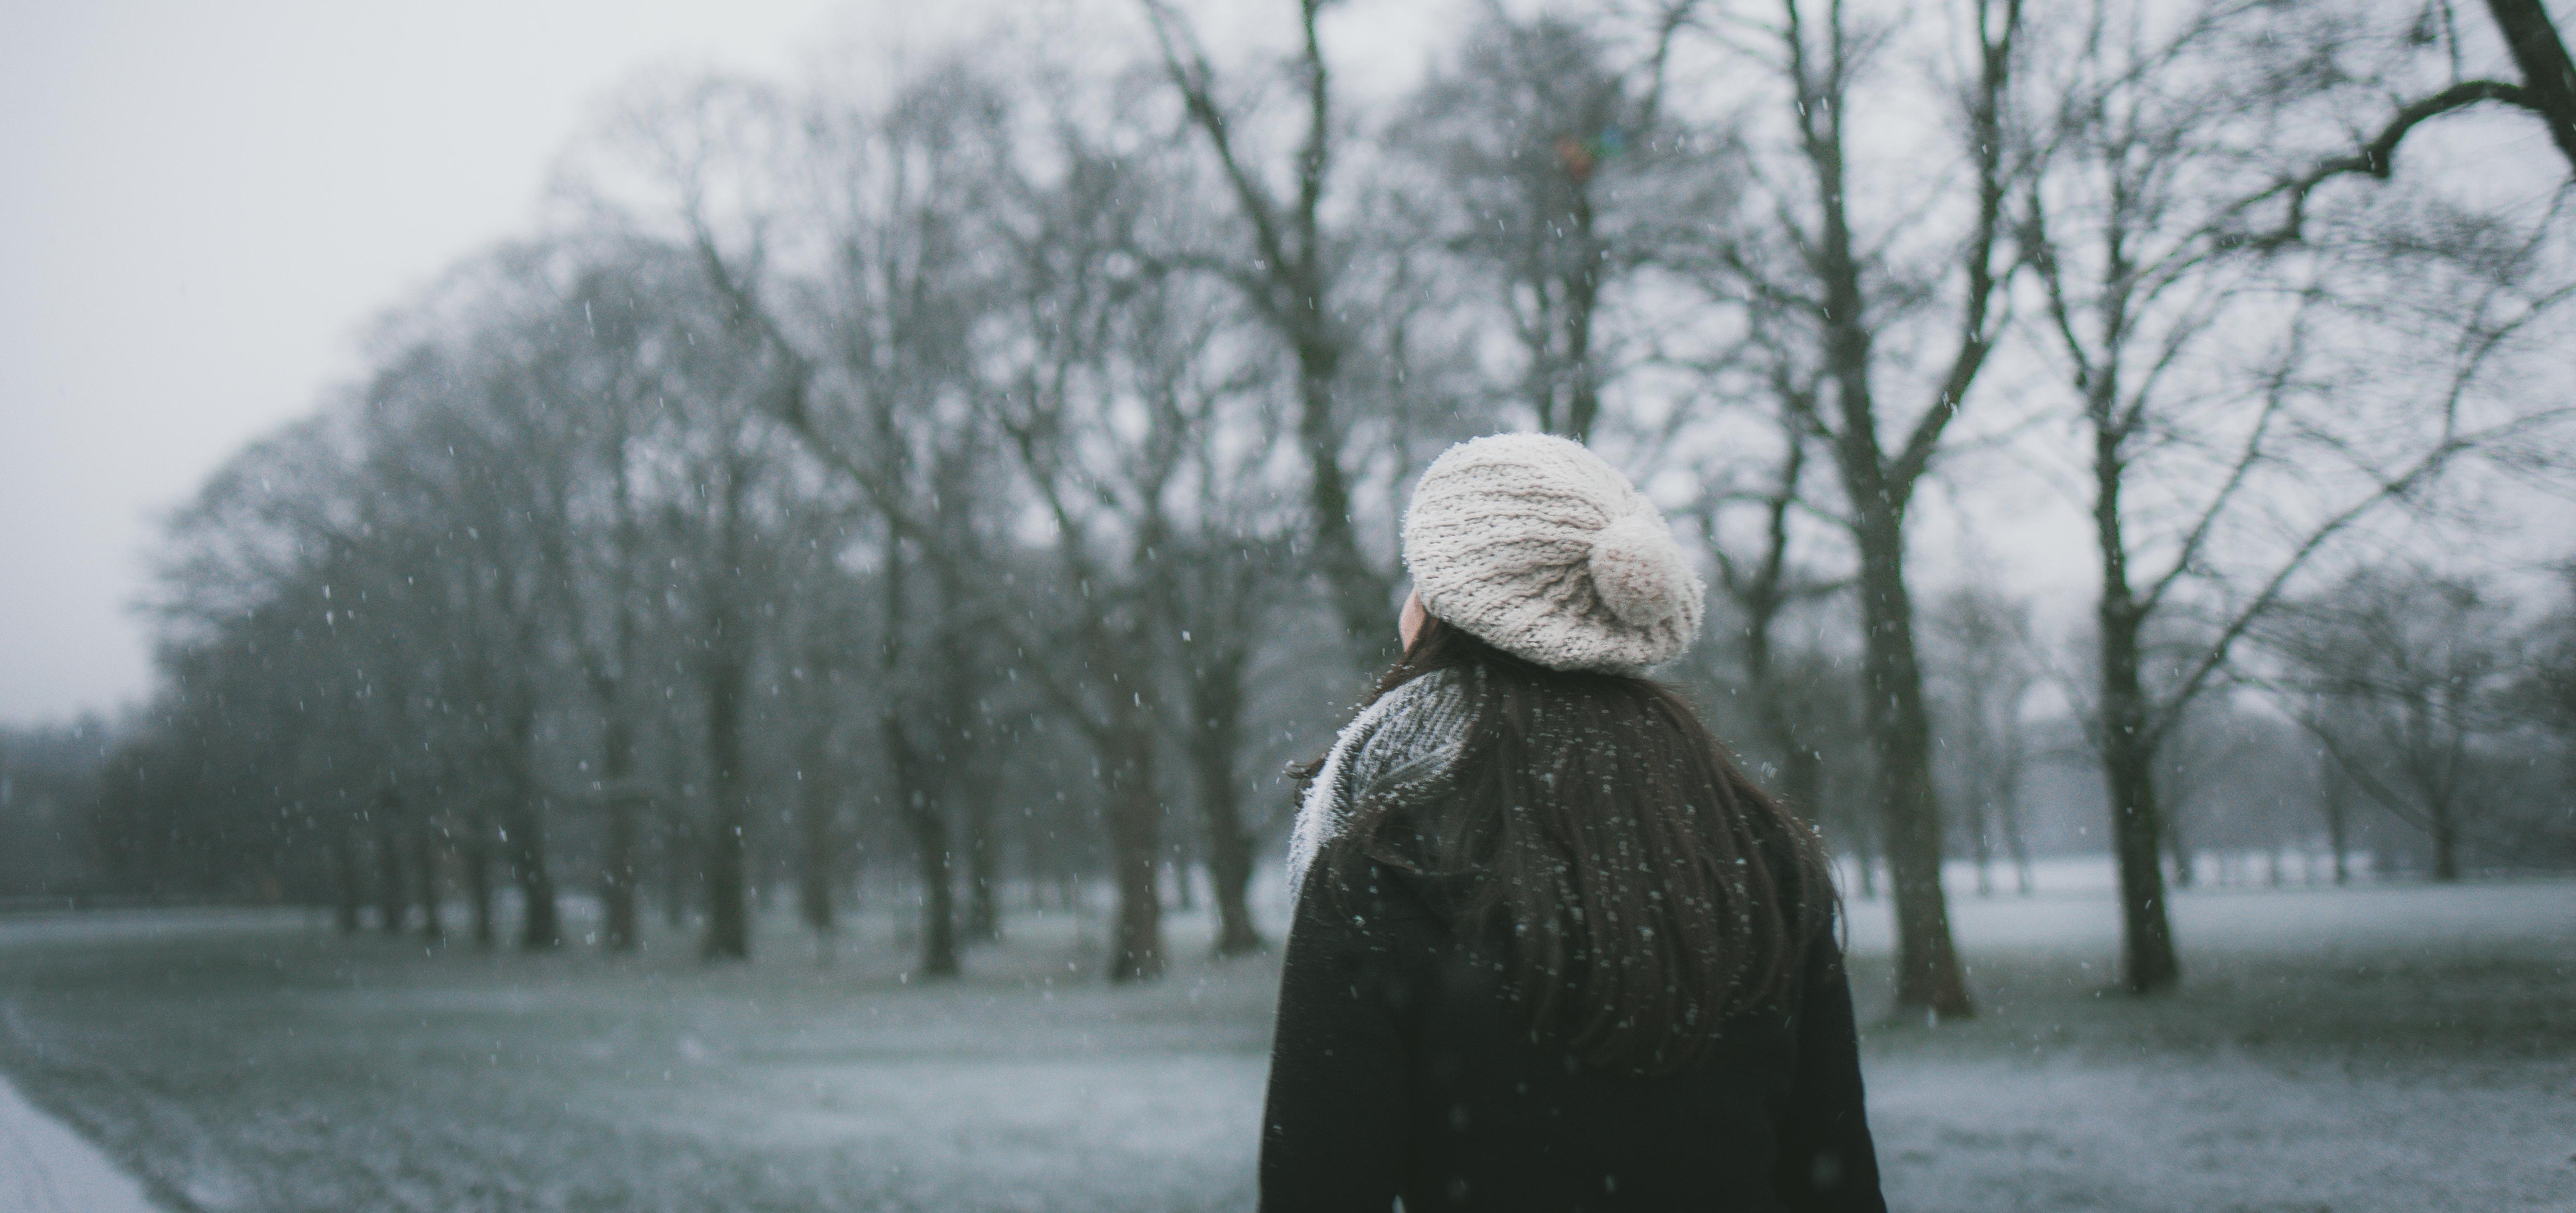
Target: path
[{"x": 45, "y": 1167}]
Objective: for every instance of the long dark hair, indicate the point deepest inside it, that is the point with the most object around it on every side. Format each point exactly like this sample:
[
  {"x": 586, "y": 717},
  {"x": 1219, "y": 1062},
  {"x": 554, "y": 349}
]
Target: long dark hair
[{"x": 1639, "y": 890}]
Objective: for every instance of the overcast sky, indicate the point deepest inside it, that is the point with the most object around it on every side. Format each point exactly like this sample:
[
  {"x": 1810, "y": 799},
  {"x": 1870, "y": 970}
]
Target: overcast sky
[{"x": 202, "y": 203}]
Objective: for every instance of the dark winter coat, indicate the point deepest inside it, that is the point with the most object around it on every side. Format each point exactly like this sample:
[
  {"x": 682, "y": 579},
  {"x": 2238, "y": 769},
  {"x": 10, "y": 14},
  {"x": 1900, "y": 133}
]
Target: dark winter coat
[{"x": 1401, "y": 1068}]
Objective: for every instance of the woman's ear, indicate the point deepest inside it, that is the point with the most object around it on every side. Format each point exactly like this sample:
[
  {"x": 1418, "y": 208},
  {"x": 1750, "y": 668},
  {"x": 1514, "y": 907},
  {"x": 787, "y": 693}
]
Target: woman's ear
[{"x": 1408, "y": 622}]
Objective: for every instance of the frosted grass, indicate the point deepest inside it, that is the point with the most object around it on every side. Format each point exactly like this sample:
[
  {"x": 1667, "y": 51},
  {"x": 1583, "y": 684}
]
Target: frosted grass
[{"x": 2373, "y": 1048}]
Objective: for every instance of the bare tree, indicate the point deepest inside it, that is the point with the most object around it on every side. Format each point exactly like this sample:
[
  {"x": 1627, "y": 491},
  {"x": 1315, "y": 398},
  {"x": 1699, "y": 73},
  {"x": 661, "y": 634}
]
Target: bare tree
[
  {"x": 257, "y": 673},
  {"x": 2546, "y": 694},
  {"x": 846, "y": 474},
  {"x": 2546, "y": 91},
  {"x": 2197, "y": 775},
  {"x": 625, "y": 374},
  {"x": 2141, "y": 144},
  {"x": 868, "y": 376},
  {"x": 727, "y": 470},
  {"x": 1288, "y": 271},
  {"x": 1114, "y": 380},
  {"x": 1765, "y": 587},
  {"x": 822, "y": 637},
  {"x": 1986, "y": 672},
  {"x": 1556, "y": 178},
  {"x": 2398, "y": 673},
  {"x": 1231, "y": 557},
  {"x": 1841, "y": 279},
  {"x": 458, "y": 416},
  {"x": 2336, "y": 792}
]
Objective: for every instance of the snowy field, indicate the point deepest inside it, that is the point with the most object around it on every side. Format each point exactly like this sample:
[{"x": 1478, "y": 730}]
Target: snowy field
[{"x": 2380, "y": 1048}]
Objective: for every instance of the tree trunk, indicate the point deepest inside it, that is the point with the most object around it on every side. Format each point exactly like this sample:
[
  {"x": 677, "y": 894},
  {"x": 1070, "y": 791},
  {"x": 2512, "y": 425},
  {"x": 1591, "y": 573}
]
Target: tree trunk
[
  {"x": 1135, "y": 829},
  {"x": 1217, "y": 738},
  {"x": 1802, "y": 777},
  {"x": 678, "y": 849},
  {"x": 344, "y": 868},
  {"x": 1802, "y": 768},
  {"x": 958, "y": 754},
  {"x": 938, "y": 932},
  {"x": 2547, "y": 74},
  {"x": 2336, "y": 809},
  {"x": 927, "y": 821},
  {"x": 477, "y": 857},
  {"x": 2445, "y": 829},
  {"x": 617, "y": 875},
  {"x": 1802, "y": 783},
  {"x": 1214, "y": 741},
  {"x": 1294, "y": 298},
  {"x": 620, "y": 880},
  {"x": 937, "y": 864},
  {"x": 1879, "y": 489},
  {"x": 1928, "y": 978},
  {"x": 541, "y": 926},
  {"x": 1582, "y": 299},
  {"x": 424, "y": 873},
  {"x": 924, "y": 817},
  {"x": 728, "y": 934},
  {"x": 1360, "y": 595},
  {"x": 392, "y": 900},
  {"x": 816, "y": 869},
  {"x": 983, "y": 860},
  {"x": 2129, "y": 741},
  {"x": 2148, "y": 963},
  {"x": 1981, "y": 846},
  {"x": 2178, "y": 852},
  {"x": 2016, "y": 842},
  {"x": 523, "y": 835}
]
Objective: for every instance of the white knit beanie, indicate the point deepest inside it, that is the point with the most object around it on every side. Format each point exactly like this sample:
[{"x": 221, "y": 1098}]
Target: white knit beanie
[{"x": 1534, "y": 545}]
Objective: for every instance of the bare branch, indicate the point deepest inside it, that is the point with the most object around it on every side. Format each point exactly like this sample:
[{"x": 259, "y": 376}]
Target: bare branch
[{"x": 2376, "y": 159}]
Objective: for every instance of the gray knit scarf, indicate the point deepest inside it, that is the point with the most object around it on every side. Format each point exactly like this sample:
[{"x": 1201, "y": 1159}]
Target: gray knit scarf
[{"x": 1404, "y": 744}]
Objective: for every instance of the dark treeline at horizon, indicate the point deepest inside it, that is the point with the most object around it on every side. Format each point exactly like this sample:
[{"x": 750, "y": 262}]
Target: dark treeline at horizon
[{"x": 982, "y": 489}]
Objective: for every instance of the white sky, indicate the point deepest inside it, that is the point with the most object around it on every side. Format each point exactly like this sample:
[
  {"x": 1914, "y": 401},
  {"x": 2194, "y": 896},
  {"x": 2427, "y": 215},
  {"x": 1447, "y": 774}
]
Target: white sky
[{"x": 201, "y": 204}]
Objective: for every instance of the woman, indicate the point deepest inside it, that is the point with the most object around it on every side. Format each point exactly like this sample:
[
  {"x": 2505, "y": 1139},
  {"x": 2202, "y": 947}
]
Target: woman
[{"x": 1552, "y": 951}]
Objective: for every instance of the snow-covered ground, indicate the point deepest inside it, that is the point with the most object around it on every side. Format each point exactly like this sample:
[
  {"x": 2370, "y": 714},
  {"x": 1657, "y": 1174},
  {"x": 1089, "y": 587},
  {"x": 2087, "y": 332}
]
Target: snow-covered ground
[
  {"x": 47, "y": 1168},
  {"x": 2376, "y": 1048}
]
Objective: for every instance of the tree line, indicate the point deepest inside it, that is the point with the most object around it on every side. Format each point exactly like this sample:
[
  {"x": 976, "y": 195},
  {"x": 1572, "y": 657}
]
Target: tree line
[{"x": 994, "y": 462}]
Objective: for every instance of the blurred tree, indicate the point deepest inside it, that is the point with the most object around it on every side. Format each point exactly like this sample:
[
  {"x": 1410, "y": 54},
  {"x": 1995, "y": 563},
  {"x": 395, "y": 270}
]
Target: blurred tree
[
  {"x": 1839, "y": 270},
  {"x": 1556, "y": 178},
  {"x": 2143, "y": 131},
  {"x": 919, "y": 466},
  {"x": 1986, "y": 669},
  {"x": 1789, "y": 686},
  {"x": 1289, "y": 269},
  {"x": 2399, "y": 672},
  {"x": 1105, "y": 381},
  {"x": 2546, "y": 696},
  {"x": 50, "y": 783},
  {"x": 2546, "y": 91},
  {"x": 2336, "y": 792}
]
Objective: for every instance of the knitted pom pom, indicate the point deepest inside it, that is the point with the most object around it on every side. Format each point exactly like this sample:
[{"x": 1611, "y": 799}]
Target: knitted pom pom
[{"x": 1639, "y": 572}]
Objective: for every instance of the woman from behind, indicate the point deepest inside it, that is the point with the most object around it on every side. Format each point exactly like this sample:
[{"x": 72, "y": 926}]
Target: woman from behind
[{"x": 1551, "y": 950}]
